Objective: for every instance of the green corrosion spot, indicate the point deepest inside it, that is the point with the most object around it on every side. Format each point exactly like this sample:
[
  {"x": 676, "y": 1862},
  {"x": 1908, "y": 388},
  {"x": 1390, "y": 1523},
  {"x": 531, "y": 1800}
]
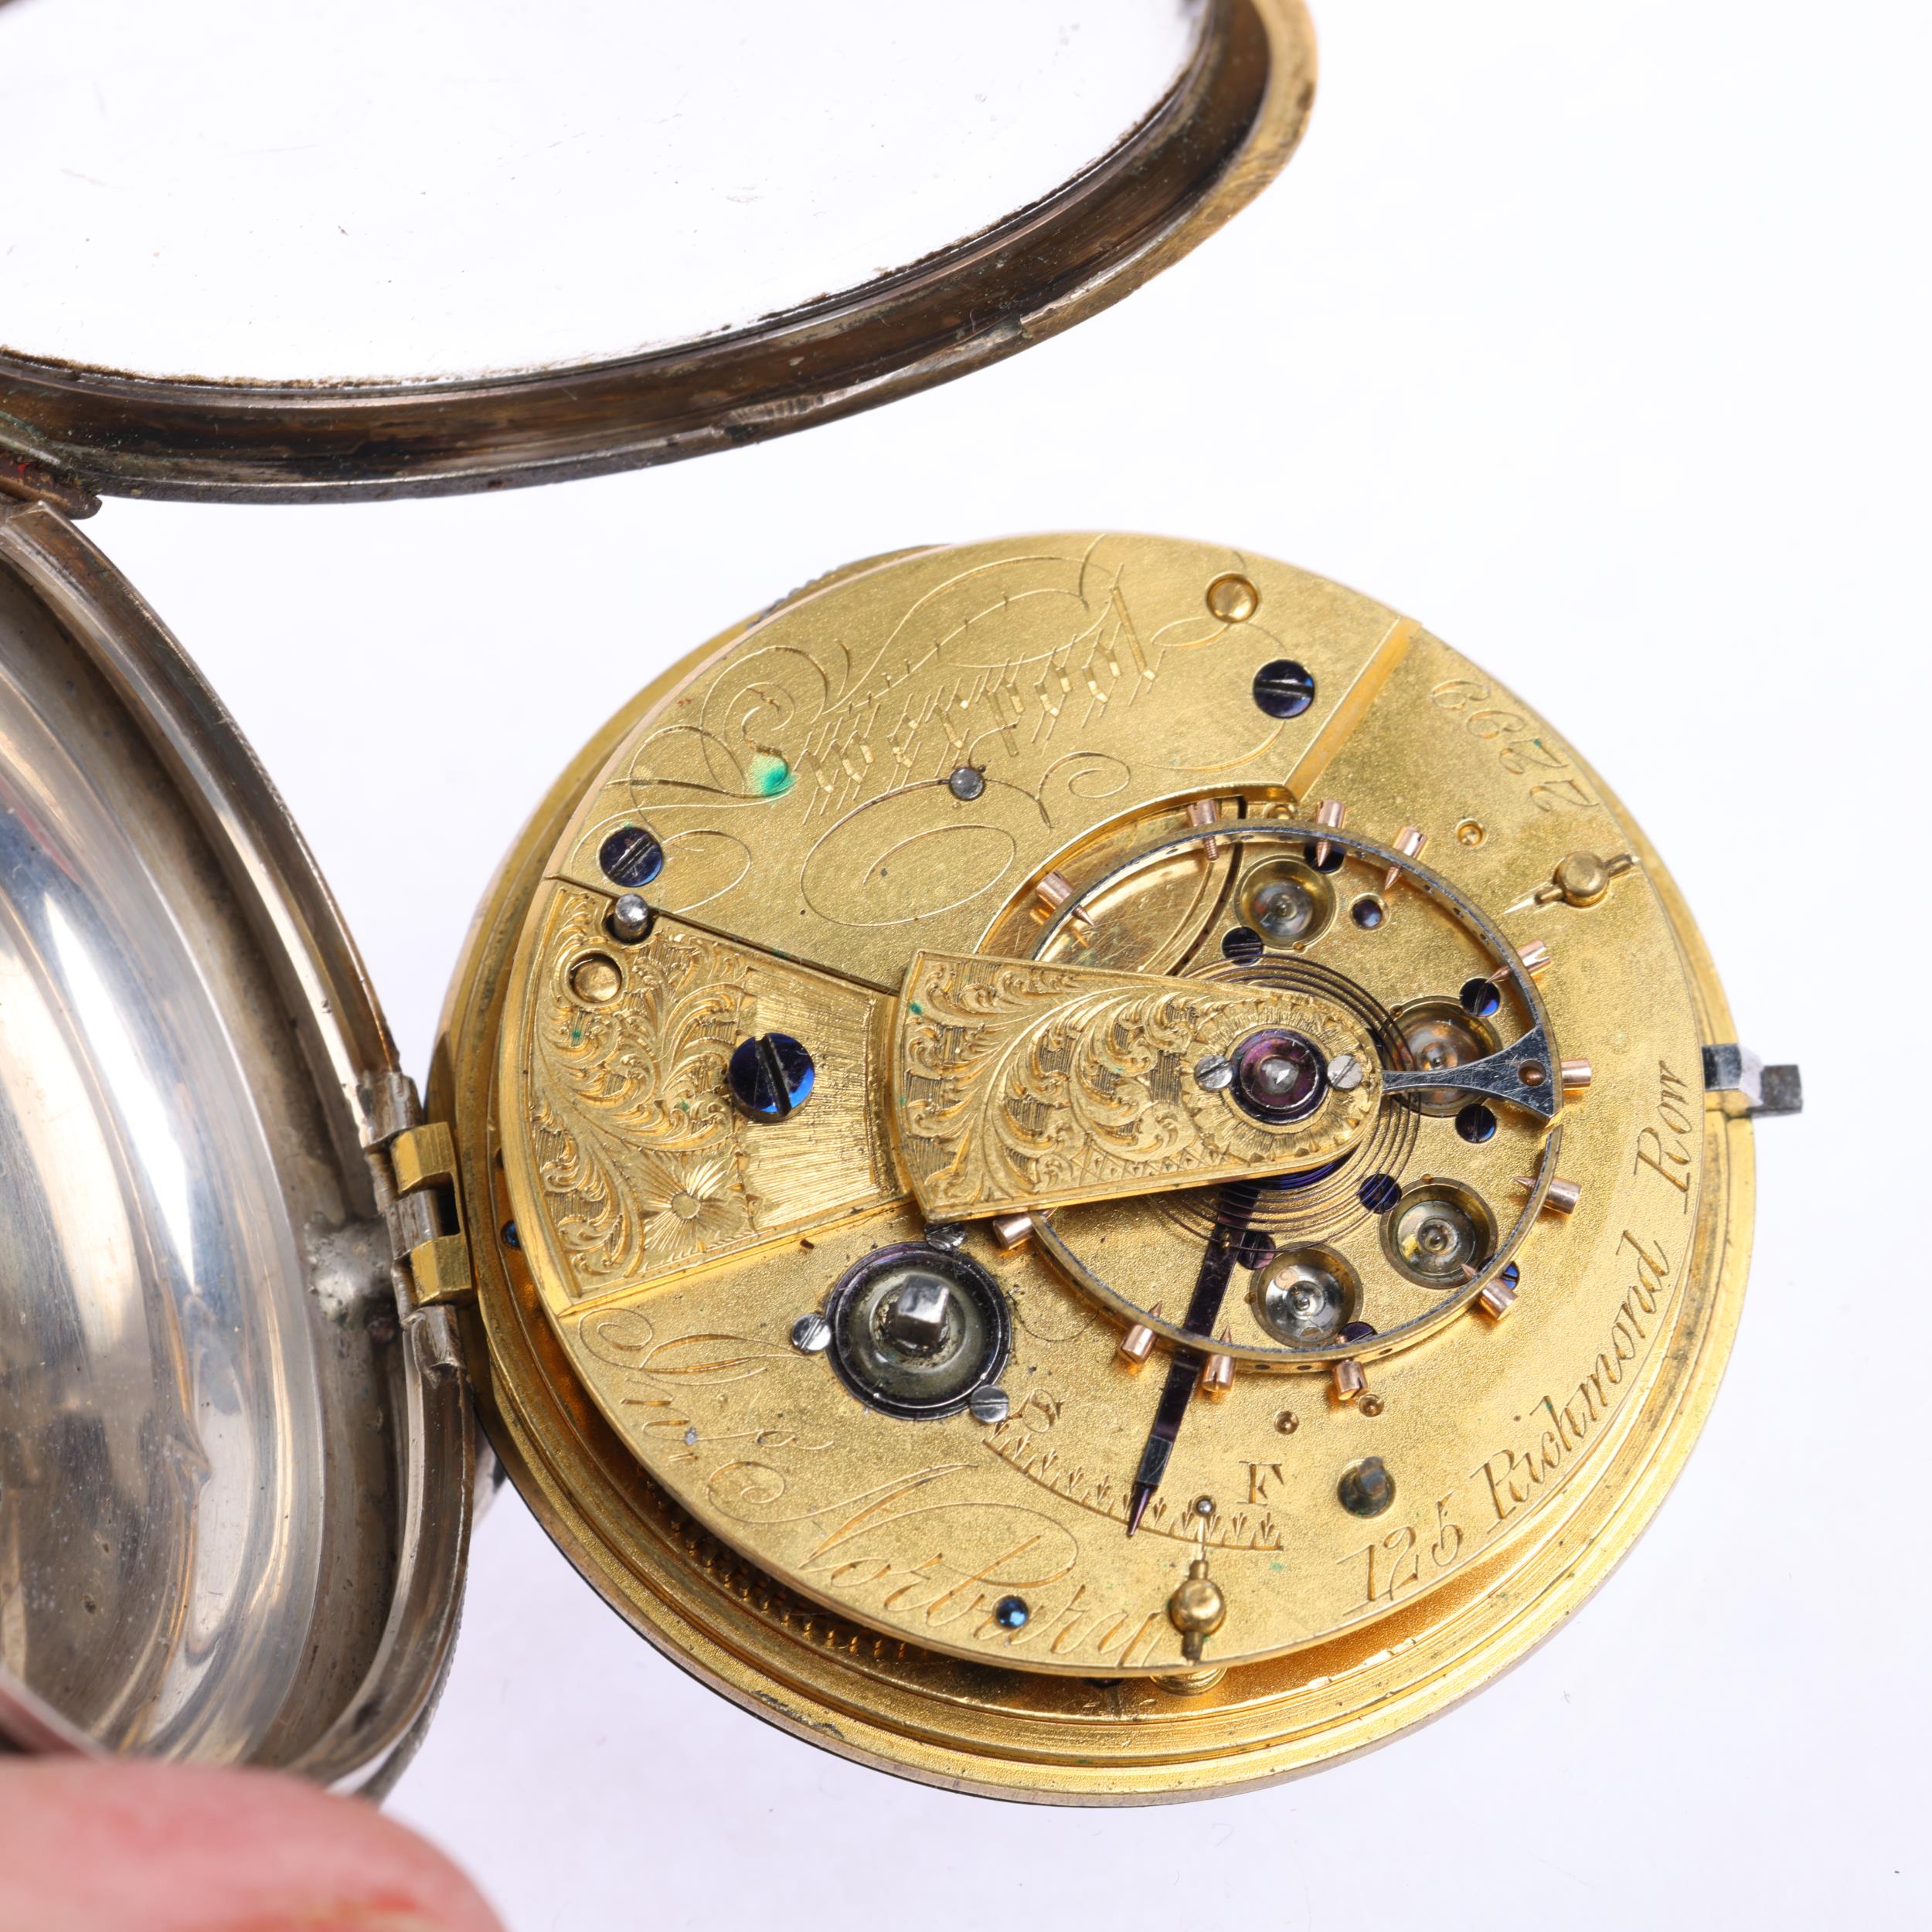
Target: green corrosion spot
[
  {"x": 913, "y": 1007},
  {"x": 768, "y": 776}
]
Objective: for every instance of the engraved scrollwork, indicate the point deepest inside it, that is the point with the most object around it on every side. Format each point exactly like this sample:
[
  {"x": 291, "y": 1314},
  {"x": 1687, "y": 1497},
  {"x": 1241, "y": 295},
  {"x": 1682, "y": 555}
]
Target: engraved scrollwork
[
  {"x": 1030, "y": 1079},
  {"x": 1032, "y": 1083},
  {"x": 837, "y": 742},
  {"x": 633, "y": 1130},
  {"x": 646, "y": 1167}
]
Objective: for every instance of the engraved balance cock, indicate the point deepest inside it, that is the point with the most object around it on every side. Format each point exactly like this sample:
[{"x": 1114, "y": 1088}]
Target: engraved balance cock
[{"x": 1020, "y": 1085}]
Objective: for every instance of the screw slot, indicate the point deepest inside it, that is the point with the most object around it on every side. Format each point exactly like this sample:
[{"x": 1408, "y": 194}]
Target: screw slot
[
  {"x": 1345, "y": 1073},
  {"x": 631, "y": 856},
  {"x": 1284, "y": 688},
  {"x": 770, "y": 1077},
  {"x": 988, "y": 1405},
  {"x": 1214, "y": 1073},
  {"x": 1242, "y": 946}
]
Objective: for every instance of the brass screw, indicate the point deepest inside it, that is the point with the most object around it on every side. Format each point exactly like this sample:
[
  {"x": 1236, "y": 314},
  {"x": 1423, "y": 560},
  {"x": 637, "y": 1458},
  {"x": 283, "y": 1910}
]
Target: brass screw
[
  {"x": 1496, "y": 1299},
  {"x": 1409, "y": 841},
  {"x": 1201, "y": 813},
  {"x": 1233, "y": 599},
  {"x": 1562, "y": 1197},
  {"x": 1583, "y": 878},
  {"x": 1052, "y": 893},
  {"x": 595, "y": 979},
  {"x": 1469, "y": 833},
  {"x": 1285, "y": 1423},
  {"x": 1011, "y": 1231},
  {"x": 1331, "y": 815},
  {"x": 1369, "y": 1405},
  {"x": 1535, "y": 957},
  {"x": 1197, "y": 1610}
]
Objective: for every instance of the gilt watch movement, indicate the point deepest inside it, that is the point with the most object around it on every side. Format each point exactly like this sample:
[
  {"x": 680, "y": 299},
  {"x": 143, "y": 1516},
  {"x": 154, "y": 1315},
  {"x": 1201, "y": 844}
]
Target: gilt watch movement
[{"x": 1097, "y": 1170}]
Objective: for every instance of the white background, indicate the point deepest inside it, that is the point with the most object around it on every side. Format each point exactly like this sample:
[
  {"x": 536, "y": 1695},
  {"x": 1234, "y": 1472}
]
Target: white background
[
  {"x": 285, "y": 191},
  {"x": 1596, "y": 338}
]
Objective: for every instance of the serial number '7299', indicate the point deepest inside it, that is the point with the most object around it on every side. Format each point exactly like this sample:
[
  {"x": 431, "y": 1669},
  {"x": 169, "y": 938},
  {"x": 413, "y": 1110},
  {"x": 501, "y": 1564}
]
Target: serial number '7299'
[{"x": 1520, "y": 750}]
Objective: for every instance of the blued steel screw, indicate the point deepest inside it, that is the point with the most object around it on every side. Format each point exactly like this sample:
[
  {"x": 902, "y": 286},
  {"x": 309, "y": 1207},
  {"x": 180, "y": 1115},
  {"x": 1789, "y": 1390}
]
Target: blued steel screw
[
  {"x": 1284, "y": 688},
  {"x": 631, "y": 857},
  {"x": 771, "y": 1076}
]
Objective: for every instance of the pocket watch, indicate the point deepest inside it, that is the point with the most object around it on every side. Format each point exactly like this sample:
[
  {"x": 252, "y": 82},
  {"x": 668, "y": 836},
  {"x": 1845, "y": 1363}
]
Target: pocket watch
[{"x": 1086, "y": 1168}]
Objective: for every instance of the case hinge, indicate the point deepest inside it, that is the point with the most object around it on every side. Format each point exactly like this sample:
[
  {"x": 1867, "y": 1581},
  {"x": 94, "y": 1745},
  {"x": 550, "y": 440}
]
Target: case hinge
[
  {"x": 414, "y": 1162},
  {"x": 426, "y": 1221}
]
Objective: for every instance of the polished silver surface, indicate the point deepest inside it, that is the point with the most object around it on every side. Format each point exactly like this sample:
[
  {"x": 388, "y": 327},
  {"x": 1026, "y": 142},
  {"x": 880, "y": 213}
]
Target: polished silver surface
[
  {"x": 234, "y": 1487},
  {"x": 160, "y": 1492}
]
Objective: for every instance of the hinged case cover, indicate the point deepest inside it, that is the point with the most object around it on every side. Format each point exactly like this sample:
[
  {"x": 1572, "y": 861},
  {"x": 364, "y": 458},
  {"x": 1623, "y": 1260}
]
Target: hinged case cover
[
  {"x": 258, "y": 254},
  {"x": 234, "y": 1489}
]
